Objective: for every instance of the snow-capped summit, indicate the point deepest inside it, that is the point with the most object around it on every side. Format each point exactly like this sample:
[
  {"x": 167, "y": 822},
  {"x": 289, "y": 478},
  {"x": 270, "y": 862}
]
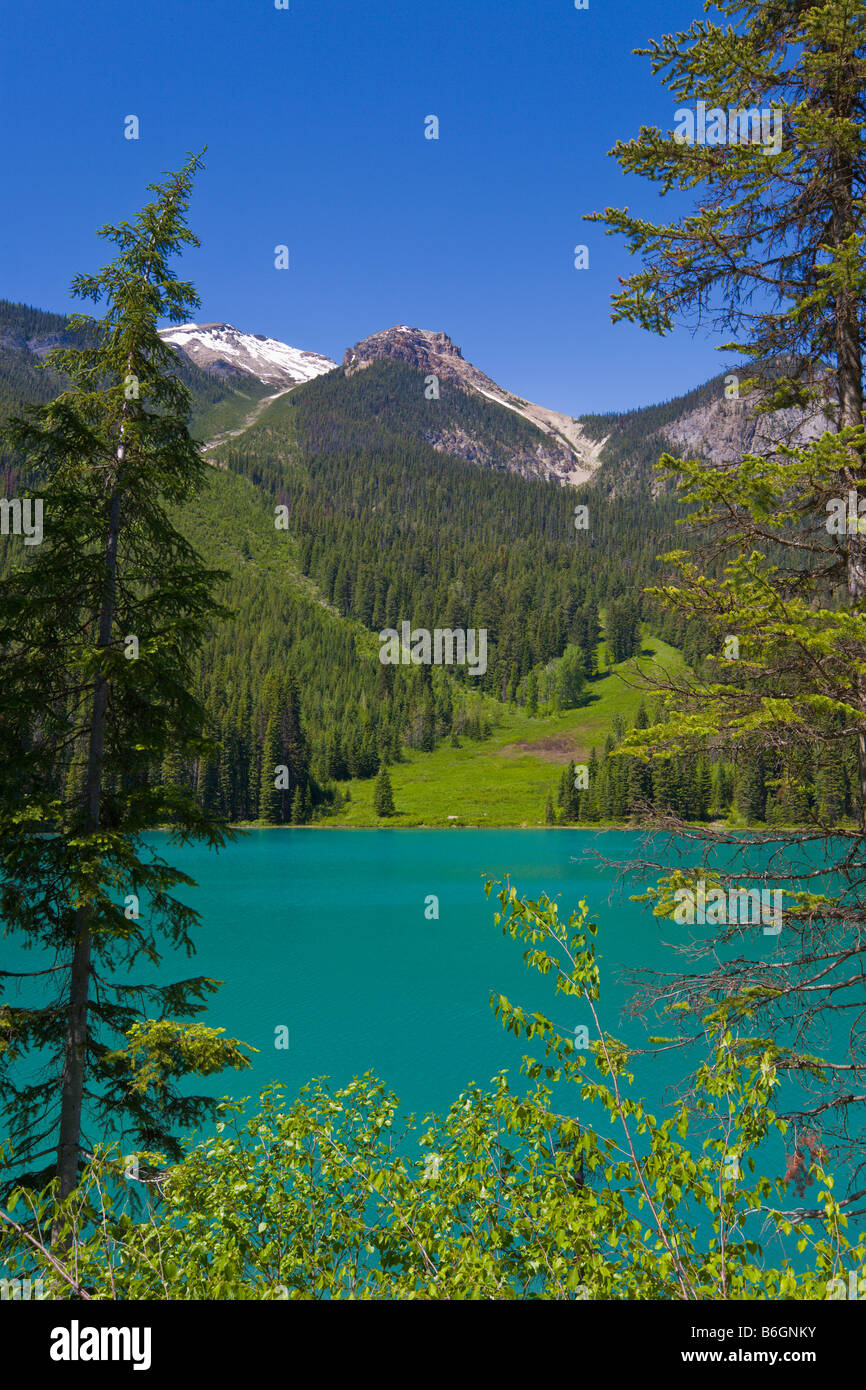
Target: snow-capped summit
[{"x": 222, "y": 349}]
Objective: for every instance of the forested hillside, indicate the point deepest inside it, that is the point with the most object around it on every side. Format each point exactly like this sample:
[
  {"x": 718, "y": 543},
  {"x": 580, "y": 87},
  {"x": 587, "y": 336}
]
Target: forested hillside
[
  {"x": 385, "y": 526},
  {"x": 390, "y": 528},
  {"x": 634, "y": 439}
]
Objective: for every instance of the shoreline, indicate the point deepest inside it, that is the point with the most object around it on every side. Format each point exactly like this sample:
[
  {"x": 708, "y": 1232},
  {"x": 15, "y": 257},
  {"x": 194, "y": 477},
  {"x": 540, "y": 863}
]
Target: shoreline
[{"x": 765, "y": 830}]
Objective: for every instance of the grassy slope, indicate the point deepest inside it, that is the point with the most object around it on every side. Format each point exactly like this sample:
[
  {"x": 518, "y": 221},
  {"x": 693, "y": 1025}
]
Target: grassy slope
[
  {"x": 232, "y": 511},
  {"x": 230, "y": 413},
  {"x": 497, "y": 782}
]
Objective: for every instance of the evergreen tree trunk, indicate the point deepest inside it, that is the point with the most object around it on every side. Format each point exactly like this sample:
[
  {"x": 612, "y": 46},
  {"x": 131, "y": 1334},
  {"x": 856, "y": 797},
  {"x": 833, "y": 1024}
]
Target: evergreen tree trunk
[
  {"x": 72, "y": 1087},
  {"x": 850, "y": 393}
]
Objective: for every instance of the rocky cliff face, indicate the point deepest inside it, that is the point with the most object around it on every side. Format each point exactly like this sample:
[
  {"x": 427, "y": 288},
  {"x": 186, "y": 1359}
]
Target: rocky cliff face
[
  {"x": 725, "y": 430},
  {"x": 40, "y": 344},
  {"x": 702, "y": 424},
  {"x": 432, "y": 353}
]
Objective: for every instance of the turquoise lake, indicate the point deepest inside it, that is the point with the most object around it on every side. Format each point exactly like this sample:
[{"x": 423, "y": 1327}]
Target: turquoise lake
[{"x": 324, "y": 933}]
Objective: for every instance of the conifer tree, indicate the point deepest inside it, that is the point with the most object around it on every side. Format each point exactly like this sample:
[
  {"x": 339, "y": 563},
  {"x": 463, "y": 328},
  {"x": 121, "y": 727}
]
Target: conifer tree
[
  {"x": 83, "y": 726},
  {"x": 276, "y": 787},
  {"x": 703, "y": 788},
  {"x": 773, "y": 255},
  {"x": 383, "y": 796},
  {"x": 751, "y": 787},
  {"x": 721, "y": 796},
  {"x": 589, "y": 798},
  {"x": 531, "y": 705},
  {"x": 568, "y": 794},
  {"x": 639, "y": 784}
]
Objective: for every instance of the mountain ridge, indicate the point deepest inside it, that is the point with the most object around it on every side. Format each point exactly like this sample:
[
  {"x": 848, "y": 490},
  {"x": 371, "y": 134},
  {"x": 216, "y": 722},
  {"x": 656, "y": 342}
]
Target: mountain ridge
[
  {"x": 235, "y": 378},
  {"x": 563, "y": 451}
]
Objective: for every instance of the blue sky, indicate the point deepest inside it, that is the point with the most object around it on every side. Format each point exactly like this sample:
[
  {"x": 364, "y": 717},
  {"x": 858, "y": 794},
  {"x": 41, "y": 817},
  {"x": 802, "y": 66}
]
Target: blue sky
[{"x": 314, "y": 122}]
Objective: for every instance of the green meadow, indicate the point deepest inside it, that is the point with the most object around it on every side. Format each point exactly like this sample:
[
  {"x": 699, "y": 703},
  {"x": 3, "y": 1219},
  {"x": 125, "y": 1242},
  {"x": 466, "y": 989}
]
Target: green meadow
[{"x": 504, "y": 780}]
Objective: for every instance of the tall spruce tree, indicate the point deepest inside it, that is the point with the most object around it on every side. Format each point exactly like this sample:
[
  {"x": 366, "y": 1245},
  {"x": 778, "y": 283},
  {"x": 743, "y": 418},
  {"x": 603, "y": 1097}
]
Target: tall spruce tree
[
  {"x": 568, "y": 795},
  {"x": 773, "y": 254},
  {"x": 98, "y": 627},
  {"x": 383, "y": 795}
]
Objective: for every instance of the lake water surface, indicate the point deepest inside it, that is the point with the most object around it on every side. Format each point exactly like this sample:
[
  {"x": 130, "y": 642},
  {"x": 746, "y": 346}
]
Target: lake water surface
[{"x": 324, "y": 933}]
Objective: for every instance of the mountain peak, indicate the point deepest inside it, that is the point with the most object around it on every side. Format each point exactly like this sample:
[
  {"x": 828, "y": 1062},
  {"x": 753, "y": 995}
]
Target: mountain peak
[
  {"x": 420, "y": 347},
  {"x": 223, "y": 350},
  {"x": 575, "y": 455}
]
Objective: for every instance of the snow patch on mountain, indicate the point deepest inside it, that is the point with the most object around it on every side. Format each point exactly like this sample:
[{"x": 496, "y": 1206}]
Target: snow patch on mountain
[{"x": 221, "y": 349}]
